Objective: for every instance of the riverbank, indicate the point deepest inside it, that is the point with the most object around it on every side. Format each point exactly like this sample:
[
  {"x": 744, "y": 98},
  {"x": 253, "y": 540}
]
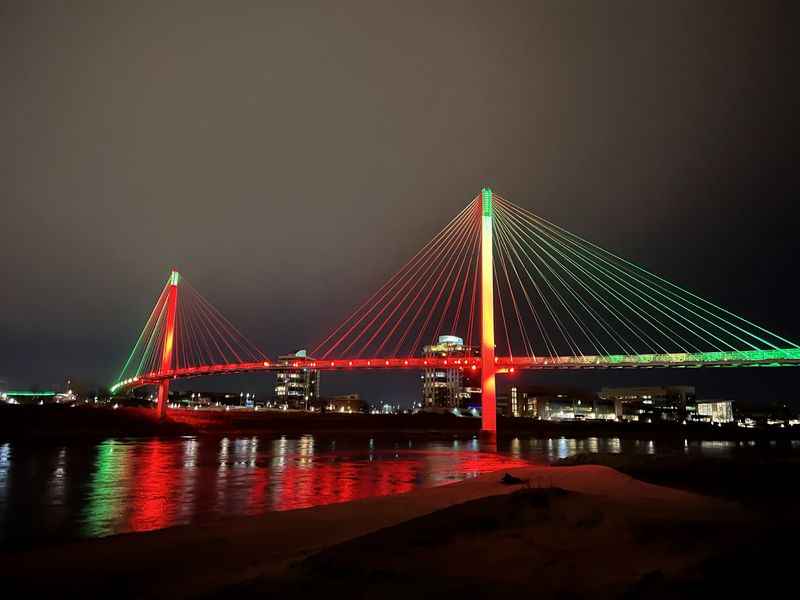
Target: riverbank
[
  {"x": 563, "y": 520},
  {"x": 64, "y": 422}
]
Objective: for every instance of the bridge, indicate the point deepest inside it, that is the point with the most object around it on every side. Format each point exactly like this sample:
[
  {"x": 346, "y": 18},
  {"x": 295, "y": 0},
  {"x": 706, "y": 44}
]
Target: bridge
[{"x": 524, "y": 293}]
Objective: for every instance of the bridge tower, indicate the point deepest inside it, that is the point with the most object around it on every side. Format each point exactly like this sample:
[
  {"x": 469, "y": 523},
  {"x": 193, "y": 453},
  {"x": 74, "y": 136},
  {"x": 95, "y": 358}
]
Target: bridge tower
[
  {"x": 488, "y": 389},
  {"x": 169, "y": 341}
]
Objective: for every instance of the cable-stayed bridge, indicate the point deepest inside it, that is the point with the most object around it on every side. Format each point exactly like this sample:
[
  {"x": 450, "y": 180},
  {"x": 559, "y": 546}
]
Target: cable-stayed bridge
[{"x": 522, "y": 292}]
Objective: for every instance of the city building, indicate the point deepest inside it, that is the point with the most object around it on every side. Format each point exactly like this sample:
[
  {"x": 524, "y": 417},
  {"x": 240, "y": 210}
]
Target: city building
[
  {"x": 557, "y": 404},
  {"x": 502, "y": 405},
  {"x": 197, "y": 399},
  {"x": 520, "y": 404},
  {"x": 347, "y": 403},
  {"x": 760, "y": 415},
  {"x": 296, "y": 386},
  {"x": 389, "y": 409},
  {"x": 448, "y": 389},
  {"x": 715, "y": 411},
  {"x": 656, "y": 404}
]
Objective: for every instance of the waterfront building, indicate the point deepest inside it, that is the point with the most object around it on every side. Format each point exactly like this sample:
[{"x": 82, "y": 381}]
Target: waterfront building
[
  {"x": 715, "y": 411},
  {"x": 387, "y": 409},
  {"x": 654, "y": 404},
  {"x": 557, "y": 404},
  {"x": 345, "y": 403},
  {"x": 448, "y": 389},
  {"x": 296, "y": 385},
  {"x": 503, "y": 405},
  {"x": 348, "y": 403},
  {"x": 757, "y": 414},
  {"x": 195, "y": 399},
  {"x": 521, "y": 404}
]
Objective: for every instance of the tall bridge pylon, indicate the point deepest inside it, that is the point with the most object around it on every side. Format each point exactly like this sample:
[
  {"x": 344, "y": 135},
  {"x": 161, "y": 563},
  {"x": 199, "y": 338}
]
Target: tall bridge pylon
[{"x": 488, "y": 384}]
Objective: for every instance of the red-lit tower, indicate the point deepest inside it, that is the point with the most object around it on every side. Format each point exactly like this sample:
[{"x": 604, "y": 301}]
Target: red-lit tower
[{"x": 169, "y": 340}]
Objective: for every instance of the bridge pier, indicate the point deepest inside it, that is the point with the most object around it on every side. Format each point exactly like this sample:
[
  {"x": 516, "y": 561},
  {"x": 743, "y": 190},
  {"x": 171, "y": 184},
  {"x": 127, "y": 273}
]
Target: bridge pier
[
  {"x": 163, "y": 399},
  {"x": 488, "y": 368}
]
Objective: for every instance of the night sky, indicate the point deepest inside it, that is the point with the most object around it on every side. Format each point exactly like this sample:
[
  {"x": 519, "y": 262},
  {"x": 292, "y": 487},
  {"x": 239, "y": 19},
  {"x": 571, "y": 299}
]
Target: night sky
[{"x": 287, "y": 160}]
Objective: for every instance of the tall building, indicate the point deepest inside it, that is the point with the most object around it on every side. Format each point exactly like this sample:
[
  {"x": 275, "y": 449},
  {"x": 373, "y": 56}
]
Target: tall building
[
  {"x": 296, "y": 385},
  {"x": 521, "y": 404},
  {"x": 655, "y": 404},
  {"x": 450, "y": 388}
]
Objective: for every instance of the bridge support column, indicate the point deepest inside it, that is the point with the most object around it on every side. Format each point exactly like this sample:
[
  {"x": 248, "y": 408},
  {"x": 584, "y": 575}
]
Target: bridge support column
[
  {"x": 488, "y": 390},
  {"x": 169, "y": 340},
  {"x": 163, "y": 398}
]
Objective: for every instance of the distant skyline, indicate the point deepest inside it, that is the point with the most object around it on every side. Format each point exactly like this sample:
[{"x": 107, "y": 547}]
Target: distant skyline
[{"x": 287, "y": 160}]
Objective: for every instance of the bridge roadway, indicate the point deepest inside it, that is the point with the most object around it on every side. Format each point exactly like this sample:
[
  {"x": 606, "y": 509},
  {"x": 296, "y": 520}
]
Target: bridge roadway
[{"x": 504, "y": 364}]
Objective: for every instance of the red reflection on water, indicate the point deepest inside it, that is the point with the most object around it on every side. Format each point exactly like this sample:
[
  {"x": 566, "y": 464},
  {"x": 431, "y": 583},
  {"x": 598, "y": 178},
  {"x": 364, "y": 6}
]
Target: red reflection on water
[
  {"x": 331, "y": 482},
  {"x": 154, "y": 474},
  {"x": 198, "y": 480},
  {"x": 258, "y": 491},
  {"x": 475, "y": 464},
  {"x": 346, "y": 476},
  {"x": 396, "y": 480}
]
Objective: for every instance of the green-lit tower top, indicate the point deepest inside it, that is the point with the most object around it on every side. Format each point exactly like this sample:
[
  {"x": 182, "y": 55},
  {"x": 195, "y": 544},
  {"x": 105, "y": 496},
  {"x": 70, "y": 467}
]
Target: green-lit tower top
[{"x": 486, "y": 195}]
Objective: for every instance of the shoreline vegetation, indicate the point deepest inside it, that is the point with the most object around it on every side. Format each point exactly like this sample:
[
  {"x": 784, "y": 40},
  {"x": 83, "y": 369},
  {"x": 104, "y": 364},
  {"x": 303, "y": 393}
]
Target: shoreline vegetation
[
  {"x": 57, "y": 422},
  {"x": 565, "y": 531}
]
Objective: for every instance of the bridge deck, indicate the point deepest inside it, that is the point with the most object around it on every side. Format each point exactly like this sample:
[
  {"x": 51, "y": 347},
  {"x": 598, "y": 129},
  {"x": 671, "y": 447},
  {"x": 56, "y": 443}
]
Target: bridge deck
[{"x": 505, "y": 364}]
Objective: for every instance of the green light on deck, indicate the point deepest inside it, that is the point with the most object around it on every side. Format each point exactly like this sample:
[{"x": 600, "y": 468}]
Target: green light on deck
[
  {"x": 486, "y": 195},
  {"x": 174, "y": 278},
  {"x": 761, "y": 356}
]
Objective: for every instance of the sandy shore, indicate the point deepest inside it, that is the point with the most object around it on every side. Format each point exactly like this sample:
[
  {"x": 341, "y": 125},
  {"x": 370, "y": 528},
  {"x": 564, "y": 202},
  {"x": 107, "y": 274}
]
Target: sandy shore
[{"x": 197, "y": 560}]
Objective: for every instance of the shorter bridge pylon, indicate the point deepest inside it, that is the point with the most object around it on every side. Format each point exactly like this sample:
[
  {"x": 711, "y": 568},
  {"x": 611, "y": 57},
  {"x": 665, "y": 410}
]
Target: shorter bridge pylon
[{"x": 169, "y": 342}]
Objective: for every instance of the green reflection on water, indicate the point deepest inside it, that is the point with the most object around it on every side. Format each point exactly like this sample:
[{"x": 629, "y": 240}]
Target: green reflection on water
[{"x": 105, "y": 505}]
